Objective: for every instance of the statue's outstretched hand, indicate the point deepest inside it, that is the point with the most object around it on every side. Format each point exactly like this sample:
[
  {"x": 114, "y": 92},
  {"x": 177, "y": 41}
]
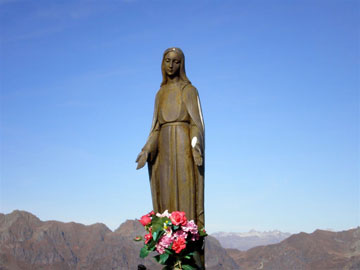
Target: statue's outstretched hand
[
  {"x": 197, "y": 156},
  {"x": 141, "y": 159}
]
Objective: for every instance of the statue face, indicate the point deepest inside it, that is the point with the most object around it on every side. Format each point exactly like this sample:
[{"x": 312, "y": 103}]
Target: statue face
[{"x": 172, "y": 63}]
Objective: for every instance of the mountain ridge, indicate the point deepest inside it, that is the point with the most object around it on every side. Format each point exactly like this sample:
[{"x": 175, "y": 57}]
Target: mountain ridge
[
  {"x": 246, "y": 240},
  {"x": 27, "y": 243}
]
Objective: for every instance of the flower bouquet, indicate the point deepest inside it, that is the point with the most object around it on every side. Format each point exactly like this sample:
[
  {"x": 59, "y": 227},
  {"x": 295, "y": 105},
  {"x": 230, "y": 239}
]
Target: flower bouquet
[{"x": 176, "y": 240}]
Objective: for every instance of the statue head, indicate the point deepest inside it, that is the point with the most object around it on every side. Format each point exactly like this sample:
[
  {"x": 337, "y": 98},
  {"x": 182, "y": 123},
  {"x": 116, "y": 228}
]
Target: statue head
[{"x": 181, "y": 72}]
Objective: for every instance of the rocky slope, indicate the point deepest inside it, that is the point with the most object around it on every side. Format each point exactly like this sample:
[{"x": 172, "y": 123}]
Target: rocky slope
[
  {"x": 318, "y": 250},
  {"x": 245, "y": 241},
  {"x": 26, "y": 243}
]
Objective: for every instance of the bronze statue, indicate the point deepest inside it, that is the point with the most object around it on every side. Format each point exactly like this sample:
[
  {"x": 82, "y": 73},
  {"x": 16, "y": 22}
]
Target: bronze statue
[{"x": 175, "y": 147}]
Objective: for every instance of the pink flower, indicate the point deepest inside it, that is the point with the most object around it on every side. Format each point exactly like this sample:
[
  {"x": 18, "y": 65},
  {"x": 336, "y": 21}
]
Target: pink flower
[
  {"x": 164, "y": 242},
  {"x": 180, "y": 234},
  {"x": 178, "y": 218},
  {"x": 179, "y": 244},
  {"x": 145, "y": 220},
  {"x": 190, "y": 227},
  {"x": 160, "y": 249},
  {"x": 195, "y": 237},
  {"x": 148, "y": 237}
]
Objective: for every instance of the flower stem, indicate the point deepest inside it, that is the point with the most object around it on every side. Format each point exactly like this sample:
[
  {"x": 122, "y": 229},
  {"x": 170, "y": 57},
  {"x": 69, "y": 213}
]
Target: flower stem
[{"x": 177, "y": 265}]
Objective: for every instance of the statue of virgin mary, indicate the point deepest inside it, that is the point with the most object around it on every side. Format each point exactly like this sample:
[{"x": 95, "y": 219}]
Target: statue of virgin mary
[{"x": 175, "y": 147}]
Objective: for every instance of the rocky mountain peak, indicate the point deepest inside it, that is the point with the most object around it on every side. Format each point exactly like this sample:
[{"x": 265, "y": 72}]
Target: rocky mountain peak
[
  {"x": 18, "y": 226},
  {"x": 17, "y": 216},
  {"x": 131, "y": 228}
]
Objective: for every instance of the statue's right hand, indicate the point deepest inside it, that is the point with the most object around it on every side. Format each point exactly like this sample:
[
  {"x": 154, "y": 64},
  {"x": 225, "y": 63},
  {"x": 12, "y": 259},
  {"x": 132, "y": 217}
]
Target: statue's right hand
[{"x": 141, "y": 159}]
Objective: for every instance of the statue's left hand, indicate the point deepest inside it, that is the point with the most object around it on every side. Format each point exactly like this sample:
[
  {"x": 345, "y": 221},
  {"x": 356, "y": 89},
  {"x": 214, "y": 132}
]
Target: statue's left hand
[{"x": 141, "y": 159}]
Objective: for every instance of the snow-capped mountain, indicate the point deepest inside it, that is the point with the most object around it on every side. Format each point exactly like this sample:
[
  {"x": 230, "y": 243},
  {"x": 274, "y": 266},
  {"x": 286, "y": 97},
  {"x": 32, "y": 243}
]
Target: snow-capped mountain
[{"x": 247, "y": 240}]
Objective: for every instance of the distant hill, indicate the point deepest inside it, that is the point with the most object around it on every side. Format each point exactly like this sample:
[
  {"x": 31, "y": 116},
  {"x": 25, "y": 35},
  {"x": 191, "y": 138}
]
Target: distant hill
[
  {"x": 245, "y": 241},
  {"x": 27, "y": 243},
  {"x": 319, "y": 250}
]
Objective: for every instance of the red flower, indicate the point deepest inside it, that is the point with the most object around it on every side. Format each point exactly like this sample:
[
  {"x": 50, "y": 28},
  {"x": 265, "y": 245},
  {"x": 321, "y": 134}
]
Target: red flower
[
  {"x": 148, "y": 237},
  {"x": 178, "y": 218},
  {"x": 145, "y": 220},
  {"x": 179, "y": 244},
  {"x": 152, "y": 213}
]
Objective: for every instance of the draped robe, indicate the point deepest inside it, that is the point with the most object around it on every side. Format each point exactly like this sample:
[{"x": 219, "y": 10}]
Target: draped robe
[{"x": 177, "y": 183}]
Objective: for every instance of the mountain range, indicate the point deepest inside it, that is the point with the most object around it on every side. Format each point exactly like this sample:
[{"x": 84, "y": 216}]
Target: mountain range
[
  {"x": 247, "y": 240},
  {"x": 320, "y": 250},
  {"x": 27, "y": 243}
]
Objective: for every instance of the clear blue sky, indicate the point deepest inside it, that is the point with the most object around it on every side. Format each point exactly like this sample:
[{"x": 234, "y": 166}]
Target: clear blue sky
[{"x": 279, "y": 85}]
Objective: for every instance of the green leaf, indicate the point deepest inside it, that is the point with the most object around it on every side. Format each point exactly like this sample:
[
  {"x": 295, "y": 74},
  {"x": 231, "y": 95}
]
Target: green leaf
[
  {"x": 151, "y": 245},
  {"x": 187, "y": 267},
  {"x": 156, "y": 235},
  {"x": 163, "y": 258},
  {"x": 157, "y": 224},
  {"x": 144, "y": 252},
  {"x": 157, "y": 258},
  {"x": 190, "y": 254},
  {"x": 202, "y": 232},
  {"x": 154, "y": 219}
]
